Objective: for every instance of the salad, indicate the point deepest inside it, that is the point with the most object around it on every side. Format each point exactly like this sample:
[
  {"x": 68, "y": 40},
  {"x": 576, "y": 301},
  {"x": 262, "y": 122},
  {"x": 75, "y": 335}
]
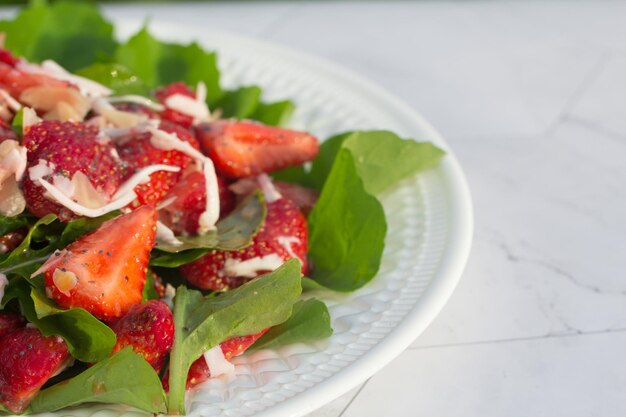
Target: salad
[{"x": 154, "y": 225}]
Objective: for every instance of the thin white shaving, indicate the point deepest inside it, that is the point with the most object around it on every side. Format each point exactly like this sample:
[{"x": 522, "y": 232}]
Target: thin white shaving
[
  {"x": 166, "y": 235},
  {"x": 170, "y": 293},
  {"x": 143, "y": 101},
  {"x": 189, "y": 106},
  {"x": 251, "y": 267},
  {"x": 42, "y": 169},
  {"x": 217, "y": 362},
  {"x": 140, "y": 177},
  {"x": 29, "y": 118},
  {"x": 3, "y": 283},
  {"x": 286, "y": 242},
  {"x": 115, "y": 133},
  {"x": 12, "y": 159},
  {"x": 161, "y": 139},
  {"x": 11, "y": 102},
  {"x": 267, "y": 186},
  {"x": 211, "y": 213},
  {"x": 117, "y": 117},
  {"x": 52, "y": 69}
]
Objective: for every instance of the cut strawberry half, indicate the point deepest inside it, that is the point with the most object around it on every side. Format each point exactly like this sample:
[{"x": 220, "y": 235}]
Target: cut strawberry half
[
  {"x": 245, "y": 148},
  {"x": 172, "y": 115},
  {"x": 10, "y": 321}
]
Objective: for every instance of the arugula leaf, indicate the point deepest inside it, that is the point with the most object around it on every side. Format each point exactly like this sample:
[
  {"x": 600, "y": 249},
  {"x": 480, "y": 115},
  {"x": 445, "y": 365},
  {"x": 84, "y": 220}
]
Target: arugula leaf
[
  {"x": 124, "y": 378},
  {"x": 347, "y": 229},
  {"x": 83, "y": 225},
  {"x": 17, "y": 125},
  {"x": 202, "y": 323},
  {"x": 149, "y": 293},
  {"x": 71, "y": 33},
  {"x": 159, "y": 63},
  {"x": 274, "y": 114},
  {"x": 11, "y": 224},
  {"x": 240, "y": 103},
  {"x": 117, "y": 77},
  {"x": 234, "y": 232},
  {"x": 382, "y": 158},
  {"x": 310, "y": 320}
]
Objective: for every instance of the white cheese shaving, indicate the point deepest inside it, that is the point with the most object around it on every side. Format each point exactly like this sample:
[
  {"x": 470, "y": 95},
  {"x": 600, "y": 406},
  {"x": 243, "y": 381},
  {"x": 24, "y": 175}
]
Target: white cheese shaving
[
  {"x": 250, "y": 267},
  {"x": 161, "y": 139},
  {"x": 64, "y": 280},
  {"x": 189, "y": 106},
  {"x": 29, "y": 118},
  {"x": 166, "y": 235},
  {"x": 12, "y": 159},
  {"x": 85, "y": 193},
  {"x": 42, "y": 169},
  {"x": 143, "y": 101},
  {"x": 211, "y": 213},
  {"x": 3, "y": 283},
  {"x": 64, "y": 184},
  {"x": 11, "y": 102},
  {"x": 3, "y": 249},
  {"x": 115, "y": 133},
  {"x": 170, "y": 293},
  {"x": 217, "y": 362},
  {"x": 140, "y": 177},
  {"x": 117, "y": 117},
  {"x": 54, "y": 70},
  {"x": 267, "y": 186},
  {"x": 286, "y": 242},
  {"x": 201, "y": 92},
  {"x": 12, "y": 200}
]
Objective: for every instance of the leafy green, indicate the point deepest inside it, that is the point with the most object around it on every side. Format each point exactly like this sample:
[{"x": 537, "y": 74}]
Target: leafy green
[
  {"x": 124, "y": 378},
  {"x": 149, "y": 292},
  {"x": 240, "y": 103},
  {"x": 274, "y": 114},
  {"x": 347, "y": 229},
  {"x": 382, "y": 158},
  {"x": 17, "y": 125},
  {"x": 71, "y": 33},
  {"x": 11, "y": 224},
  {"x": 202, "y": 323},
  {"x": 117, "y": 77},
  {"x": 158, "y": 63},
  {"x": 234, "y": 232},
  {"x": 309, "y": 320}
]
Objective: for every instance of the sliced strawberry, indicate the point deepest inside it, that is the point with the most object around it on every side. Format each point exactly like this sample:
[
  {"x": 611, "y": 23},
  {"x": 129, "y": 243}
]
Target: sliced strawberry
[
  {"x": 15, "y": 81},
  {"x": 7, "y": 57},
  {"x": 172, "y": 115},
  {"x": 244, "y": 148},
  {"x": 6, "y": 132},
  {"x": 149, "y": 329},
  {"x": 189, "y": 203},
  {"x": 138, "y": 152},
  {"x": 70, "y": 147},
  {"x": 284, "y": 233},
  {"x": 27, "y": 361},
  {"x": 104, "y": 272},
  {"x": 10, "y": 321}
]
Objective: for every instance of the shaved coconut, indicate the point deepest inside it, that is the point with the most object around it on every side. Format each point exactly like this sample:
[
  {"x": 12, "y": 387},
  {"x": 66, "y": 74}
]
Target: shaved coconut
[
  {"x": 117, "y": 117},
  {"x": 42, "y": 169},
  {"x": 250, "y": 267},
  {"x": 3, "y": 283},
  {"x": 85, "y": 193},
  {"x": 217, "y": 362},
  {"x": 64, "y": 184},
  {"x": 12, "y": 200},
  {"x": 50, "y": 263},
  {"x": 54, "y": 70},
  {"x": 267, "y": 186},
  {"x": 141, "y": 177},
  {"x": 189, "y": 106},
  {"x": 64, "y": 113},
  {"x": 11, "y": 102},
  {"x": 161, "y": 139},
  {"x": 143, "y": 101},
  {"x": 286, "y": 242},
  {"x": 64, "y": 280},
  {"x": 170, "y": 293},
  {"x": 166, "y": 235},
  {"x": 79, "y": 209},
  {"x": 29, "y": 118},
  {"x": 211, "y": 214},
  {"x": 12, "y": 159},
  {"x": 201, "y": 92},
  {"x": 115, "y": 133},
  {"x": 48, "y": 98}
]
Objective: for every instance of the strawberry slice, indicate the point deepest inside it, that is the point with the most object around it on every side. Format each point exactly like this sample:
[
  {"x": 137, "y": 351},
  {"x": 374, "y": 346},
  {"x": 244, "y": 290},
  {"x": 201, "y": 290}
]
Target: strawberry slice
[
  {"x": 6, "y": 132},
  {"x": 10, "y": 321},
  {"x": 15, "y": 81},
  {"x": 7, "y": 57},
  {"x": 283, "y": 235},
  {"x": 149, "y": 329},
  {"x": 189, "y": 203},
  {"x": 104, "y": 272},
  {"x": 138, "y": 152},
  {"x": 27, "y": 361},
  {"x": 65, "y": 149},
  {"x": 244, "y": 148},
  {"x": 172, "y": 115}
]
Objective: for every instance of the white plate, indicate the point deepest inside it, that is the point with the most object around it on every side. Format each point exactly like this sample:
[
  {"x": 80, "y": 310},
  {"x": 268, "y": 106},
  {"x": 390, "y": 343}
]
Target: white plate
[{"x": 428, "y": 242}]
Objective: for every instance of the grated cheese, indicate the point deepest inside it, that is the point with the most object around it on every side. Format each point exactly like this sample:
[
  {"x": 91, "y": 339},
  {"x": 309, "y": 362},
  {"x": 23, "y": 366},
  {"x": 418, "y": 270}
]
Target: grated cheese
[
  {"x": 119, "y": 118},
  {"x": 286, "y": 242},
  {"x": 267, "y": 186},
  {"x": 166, "y": 235},
  {"x": 250, "y": 267},
  {"x": 141, "y": 177},
  {"x": 132, "y": 98},
  {"x": 217, "y": 362},
  {"x": 54, "y": 70}
]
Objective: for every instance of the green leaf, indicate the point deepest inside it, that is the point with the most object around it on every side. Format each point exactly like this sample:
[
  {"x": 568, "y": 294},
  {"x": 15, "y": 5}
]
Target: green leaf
[
  {"x": 11, "y": 224},
  {"x": 18, "y": 123},
  {"x": 202, "y": 323},
  {"x": 83, "y": 225},
  {"x": 149, "y": 292},
  {"x": 234, "y": 232},
  {"x": 309, "y": 321},
  {"x": 294, "y": 174},
  {"x": 240, "y": 103},
  {"x": 125, "y": 378},
  {"x": 70, "y": 33},
  {"x": 158, "y": 63},
  {"x": 382, "y": 158},
  {"x": 347, "y": 230},
  {"x": 117, "y": 77},
  {"x": 274, "y": 114}
]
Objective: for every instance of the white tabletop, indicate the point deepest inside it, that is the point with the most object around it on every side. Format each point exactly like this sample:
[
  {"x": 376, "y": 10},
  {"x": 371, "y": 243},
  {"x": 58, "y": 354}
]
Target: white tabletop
[{"x": 532, "y": 98}]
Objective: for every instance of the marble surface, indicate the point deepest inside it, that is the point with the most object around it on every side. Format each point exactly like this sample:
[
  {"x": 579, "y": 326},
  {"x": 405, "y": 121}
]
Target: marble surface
[{"x": 532, "y": 98}]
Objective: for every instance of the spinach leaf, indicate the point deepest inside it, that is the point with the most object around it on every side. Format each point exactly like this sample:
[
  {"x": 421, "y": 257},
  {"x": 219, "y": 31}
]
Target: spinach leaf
[
  {"x": 158, "y": 63},
  {"x": 382, "y": 158},
  {"x": 295, "y": 174},
  {"x": 240, "y": 103},
  {"x": 71, "y": 33},
  {"x": 234, "y": 232},
  {"x": 117, "y": 77},
  {"x": 149, "y": 292},
  {"x": 347, "y": 229},
  {"x": 17, "y": 125},
  {"x": 202, "y": 323},
  {"x": 274, "y": 114},
  {"x": 309, "y": 320},
  {"x": 124, "y": 378},
  {"x": 11, "y": 224}
]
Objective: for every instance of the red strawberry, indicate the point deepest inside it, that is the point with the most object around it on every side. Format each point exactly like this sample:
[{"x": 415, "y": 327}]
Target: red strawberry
[
  {"x": 244, "y": 148},
  {"x": 183, "y": 213},
  {"x": 304, "y": 198},
  {"x": 15, "y": 81},
  {"x": 7, "y": 57},
  {"x": 27, "y": 361},
  {"x": 149, "y": 329},
  {"x": 104, "y": 272},
  {"x": 11, "y": 240},
  {"x": 10, "y": 321},
  {"x": 138, "y": 153},
  {"x": 172, "y": 115},
  {"x": 71, "y": 147},
  {"x": 6, "y": 132},
  {"x": 284, "y": 233}
]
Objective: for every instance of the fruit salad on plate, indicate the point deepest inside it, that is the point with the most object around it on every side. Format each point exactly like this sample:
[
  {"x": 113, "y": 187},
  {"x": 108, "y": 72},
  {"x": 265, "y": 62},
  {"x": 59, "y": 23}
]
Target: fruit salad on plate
[{"x": 154, "y": 225}]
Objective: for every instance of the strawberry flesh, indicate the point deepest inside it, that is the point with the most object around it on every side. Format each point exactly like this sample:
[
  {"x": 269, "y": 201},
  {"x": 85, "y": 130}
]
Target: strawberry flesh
[
  {"x": 172, "y": 115},
  {"x": 245, "y": 148},
  {"x": 10, "y": 321},
  {"x": 104, "y": 272}
]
